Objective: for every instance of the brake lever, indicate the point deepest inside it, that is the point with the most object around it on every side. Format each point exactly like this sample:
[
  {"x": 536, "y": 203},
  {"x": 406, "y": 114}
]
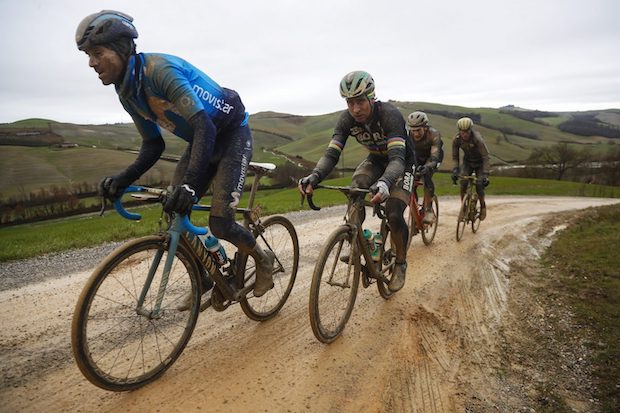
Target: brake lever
[{"x": 102, "y": 206}]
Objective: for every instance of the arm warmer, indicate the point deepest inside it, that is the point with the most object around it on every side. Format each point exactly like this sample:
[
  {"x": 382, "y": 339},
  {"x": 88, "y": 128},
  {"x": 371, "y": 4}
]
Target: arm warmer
[
  {"x": 202, "y": 148},
  {"x": 150, "y": 151}
]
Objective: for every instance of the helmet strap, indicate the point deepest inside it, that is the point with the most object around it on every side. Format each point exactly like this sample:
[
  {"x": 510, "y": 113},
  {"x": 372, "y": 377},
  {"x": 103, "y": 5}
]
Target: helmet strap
[{"x": 123, "y": 47}]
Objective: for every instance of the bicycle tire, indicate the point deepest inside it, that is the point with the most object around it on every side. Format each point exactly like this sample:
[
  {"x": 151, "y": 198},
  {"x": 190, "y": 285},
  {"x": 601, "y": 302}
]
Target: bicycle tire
[
  {"x": 461, "y": 223},
  {"x": 429, "y": 231},
  {"x": 475, "y": 222},
  {"x": 334, "y": 288},
  {"x": 388, "y": 257},
  {"x": 410, "y": 220},
  {"x": 115, "y": 347},
  {"x": 279, "y": 235}
]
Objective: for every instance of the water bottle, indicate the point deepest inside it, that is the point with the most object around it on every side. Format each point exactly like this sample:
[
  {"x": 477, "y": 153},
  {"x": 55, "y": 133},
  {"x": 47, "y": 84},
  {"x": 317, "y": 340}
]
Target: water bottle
[
  {"x": 370, "y": 239},
  {"x": 215, "y": 248},
  {"x": 378, "y": 241}
]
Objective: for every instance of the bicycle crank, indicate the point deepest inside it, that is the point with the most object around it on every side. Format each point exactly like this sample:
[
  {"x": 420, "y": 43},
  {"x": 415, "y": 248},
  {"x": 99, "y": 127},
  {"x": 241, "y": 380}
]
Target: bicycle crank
[{"x": 218, "y": 301}]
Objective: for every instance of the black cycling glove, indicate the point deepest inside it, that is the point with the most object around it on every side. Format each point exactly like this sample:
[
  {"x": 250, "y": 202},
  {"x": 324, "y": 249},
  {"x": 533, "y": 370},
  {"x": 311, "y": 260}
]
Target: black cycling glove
[
  {"x": 180, "y": 200},
  {"x": 112, "y": 187},
  {"x": 312, "y": 180}
]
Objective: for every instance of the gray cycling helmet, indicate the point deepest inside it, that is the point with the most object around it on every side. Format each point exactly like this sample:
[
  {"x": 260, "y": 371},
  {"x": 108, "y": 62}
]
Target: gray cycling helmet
[
  {"x": 357, "y": 83},
  {"x": 104, "y": 27},
  {"x": 417, "y": 120}
]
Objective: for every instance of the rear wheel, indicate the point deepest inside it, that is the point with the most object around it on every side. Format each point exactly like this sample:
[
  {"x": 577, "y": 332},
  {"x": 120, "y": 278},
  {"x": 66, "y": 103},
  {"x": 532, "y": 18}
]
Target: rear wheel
[
  {"x": 428, "y": 233},
  {"x": 461, "y": 220},
  {"x": 277, "y": 234},
  {"x": 119, "y": 345},
  {"x": 334, "y": 285}
]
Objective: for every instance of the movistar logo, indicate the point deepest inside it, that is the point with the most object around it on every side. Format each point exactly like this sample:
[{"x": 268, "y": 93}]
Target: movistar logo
[{"x": 213, "y": 101}]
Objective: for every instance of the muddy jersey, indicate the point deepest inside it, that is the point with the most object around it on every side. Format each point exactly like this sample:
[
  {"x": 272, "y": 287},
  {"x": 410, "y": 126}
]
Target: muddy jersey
[
  {"x": 384, "y": 137},
  {"x": 164, "y": 90},
  {"x": 429, "y": 148},
  {"x": 475, "y": 152}
]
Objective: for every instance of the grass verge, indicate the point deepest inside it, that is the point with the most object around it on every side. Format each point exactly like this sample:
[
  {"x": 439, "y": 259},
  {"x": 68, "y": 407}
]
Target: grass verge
[
  {"x": 586, "y": 262},
  {"x": 29, "y": 240}
]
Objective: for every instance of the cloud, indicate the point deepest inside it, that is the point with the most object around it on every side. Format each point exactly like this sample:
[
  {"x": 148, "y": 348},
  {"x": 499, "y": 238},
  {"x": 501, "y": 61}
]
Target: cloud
[{"x": 289, "y": 56}]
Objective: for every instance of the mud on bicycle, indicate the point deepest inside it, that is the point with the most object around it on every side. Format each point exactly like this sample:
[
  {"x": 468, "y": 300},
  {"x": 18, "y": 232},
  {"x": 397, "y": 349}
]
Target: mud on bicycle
[
  {"x": 127, "y": 330},
  {"x": 469, "y": 214},
  {"x": 414, "y": 214},
  {"x": 346, "y": 257}
]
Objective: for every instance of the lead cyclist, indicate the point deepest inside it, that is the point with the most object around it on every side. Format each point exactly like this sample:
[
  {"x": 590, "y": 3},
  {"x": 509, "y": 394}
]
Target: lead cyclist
[{"x": 160, "y": 90}]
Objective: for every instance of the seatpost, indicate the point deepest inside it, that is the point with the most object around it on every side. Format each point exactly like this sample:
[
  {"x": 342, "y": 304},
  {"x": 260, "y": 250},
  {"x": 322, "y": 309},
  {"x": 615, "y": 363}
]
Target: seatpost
[{"x": 257, "y": 176}]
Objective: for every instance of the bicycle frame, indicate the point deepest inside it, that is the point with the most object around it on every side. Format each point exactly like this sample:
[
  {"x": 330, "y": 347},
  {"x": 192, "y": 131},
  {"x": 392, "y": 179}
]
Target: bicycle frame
[
  {"x": 469, "y": 193},
  {"x": 414, "y": 206},
  {"x": 155, "y": 284},
  {"x": 182, "y": 230},
  {"x": 360, "y": 245},
  {"x": 468, "y": 213}
]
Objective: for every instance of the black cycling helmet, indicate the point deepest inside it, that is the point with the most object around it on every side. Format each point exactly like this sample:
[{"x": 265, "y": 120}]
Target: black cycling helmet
[{"x": 104, "y": 27}]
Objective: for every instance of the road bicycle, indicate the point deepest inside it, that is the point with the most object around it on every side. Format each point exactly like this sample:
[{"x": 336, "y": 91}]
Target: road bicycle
[
  {"x": 127, "y": 330},
  {"x": 344, "y": 259},
  {"x": 414, "y": 214},
  {"x": 469, "y": 213}
]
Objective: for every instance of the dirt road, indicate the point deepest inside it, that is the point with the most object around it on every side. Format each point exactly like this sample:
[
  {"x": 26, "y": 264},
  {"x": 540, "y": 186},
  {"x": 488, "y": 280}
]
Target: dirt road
[{"x": 429, "y": 349}]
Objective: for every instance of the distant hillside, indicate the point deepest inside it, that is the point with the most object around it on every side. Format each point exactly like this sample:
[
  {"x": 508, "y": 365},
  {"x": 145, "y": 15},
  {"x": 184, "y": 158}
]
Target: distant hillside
[{"x": 40, "y": 152}]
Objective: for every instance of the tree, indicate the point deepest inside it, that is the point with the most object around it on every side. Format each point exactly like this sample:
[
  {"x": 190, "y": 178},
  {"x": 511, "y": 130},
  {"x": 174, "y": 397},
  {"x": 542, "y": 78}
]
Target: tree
[{"x": 559, "y": 158}]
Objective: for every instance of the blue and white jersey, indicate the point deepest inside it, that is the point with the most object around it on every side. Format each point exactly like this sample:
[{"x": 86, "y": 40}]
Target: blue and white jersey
[{"x": 166, "y": 91}]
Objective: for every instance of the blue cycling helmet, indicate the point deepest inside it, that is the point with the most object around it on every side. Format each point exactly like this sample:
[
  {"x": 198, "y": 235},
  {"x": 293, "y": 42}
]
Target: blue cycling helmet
[{"x": 104, "y": 27}]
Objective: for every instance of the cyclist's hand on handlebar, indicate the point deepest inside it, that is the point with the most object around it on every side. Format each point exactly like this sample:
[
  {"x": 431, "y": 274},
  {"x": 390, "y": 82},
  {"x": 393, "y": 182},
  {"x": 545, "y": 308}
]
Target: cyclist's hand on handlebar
[
  {"x": 485, "y": 181},
  {"x": 455, "y": 175},
  {"x": 307, "y": 184},
  {"x": 423, "y": 169},
  {"x": 180, "y": 200},
  {"x": 380, "y": 191},
  {"x": 112, "y": 187}
]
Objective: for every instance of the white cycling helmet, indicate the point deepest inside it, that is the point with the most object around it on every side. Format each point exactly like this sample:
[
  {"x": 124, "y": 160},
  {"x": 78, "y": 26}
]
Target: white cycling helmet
[
  {"x": 417, "y": 119},
  {"x": 357, "y": 83},
  {"x": 465, "y": 124}
]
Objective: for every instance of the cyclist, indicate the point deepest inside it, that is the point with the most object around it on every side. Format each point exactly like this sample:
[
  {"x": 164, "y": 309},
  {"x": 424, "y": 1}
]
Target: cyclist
[
  {"x": 387, "y": 170},
  {"x": 160, "y": 90},
  {"x": 475, "y": 159},
  {"x": 428, "y": 149}
]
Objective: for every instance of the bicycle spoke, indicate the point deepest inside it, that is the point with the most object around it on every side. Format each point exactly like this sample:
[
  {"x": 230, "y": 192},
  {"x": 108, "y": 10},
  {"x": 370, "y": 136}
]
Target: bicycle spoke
[
  {"x": 119, "y": 346},
  {"x": 277, "y": 234}
]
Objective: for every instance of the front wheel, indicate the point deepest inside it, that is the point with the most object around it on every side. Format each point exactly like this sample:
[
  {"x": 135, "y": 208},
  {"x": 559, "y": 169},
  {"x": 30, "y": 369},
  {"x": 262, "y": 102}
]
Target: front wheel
[
  {"x": 410, "y": 219},
  {"x": 120, "y": 344},
  {"x": 475, "y": 213},
  {"x": 461, "y": 220},
  {"x": 429, "y": 231},
  {"x": 388, "y": 258},
  {"x": 277, "y": 234},
  {"x": 334, "y": 284}
]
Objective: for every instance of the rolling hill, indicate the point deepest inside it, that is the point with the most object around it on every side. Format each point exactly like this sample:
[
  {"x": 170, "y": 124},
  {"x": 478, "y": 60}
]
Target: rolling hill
[{"x": 35, "y": 153}]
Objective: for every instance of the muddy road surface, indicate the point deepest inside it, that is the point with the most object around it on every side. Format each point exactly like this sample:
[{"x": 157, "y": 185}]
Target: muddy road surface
[{"x": 429, "y": 349}]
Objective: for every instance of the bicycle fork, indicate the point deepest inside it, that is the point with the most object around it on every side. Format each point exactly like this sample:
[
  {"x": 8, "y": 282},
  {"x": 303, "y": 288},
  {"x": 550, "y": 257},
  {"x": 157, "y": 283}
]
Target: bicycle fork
[{"x": 175, "y": 234}]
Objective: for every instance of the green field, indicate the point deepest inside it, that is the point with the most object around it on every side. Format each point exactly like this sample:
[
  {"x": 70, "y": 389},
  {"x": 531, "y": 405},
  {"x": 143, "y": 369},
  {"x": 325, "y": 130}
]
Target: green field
[
  {"x": 103, "y": 148},
  {"x": 28, "y": 240}
]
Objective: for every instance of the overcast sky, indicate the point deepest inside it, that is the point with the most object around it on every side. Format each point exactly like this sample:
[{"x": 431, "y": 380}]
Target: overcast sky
[{"x": 289, "y": 56}]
